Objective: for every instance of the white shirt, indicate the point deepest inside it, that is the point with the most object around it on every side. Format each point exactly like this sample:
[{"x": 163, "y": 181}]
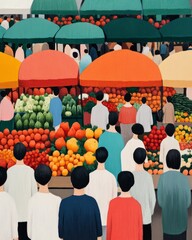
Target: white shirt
[
  {"x": 144, "y": 117},
  {"x": 103, "y": 187},
  {"x": 143, "y": 191},
  {"x": 99, "y": 116},
  {"x": 127, "y": 161},
  {"x": 43, "y": 215},
  {"x": 8, "y": 217},
  {"x": 21, "y": 185},
  {"x": 5, "y": 24},
  {"x": 157, "y": 59},
  {"x": 145, "y": 50},
  {"x": 167, "y": 144},
  {"x": 19, "y": 54}
]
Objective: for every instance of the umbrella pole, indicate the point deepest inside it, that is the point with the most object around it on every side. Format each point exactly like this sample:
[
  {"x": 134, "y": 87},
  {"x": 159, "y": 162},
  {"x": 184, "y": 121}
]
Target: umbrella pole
[
  {"x": 185, "y": 91},
  {"x": 82, "y": 114},
  {"x": 161, "y": 89}
]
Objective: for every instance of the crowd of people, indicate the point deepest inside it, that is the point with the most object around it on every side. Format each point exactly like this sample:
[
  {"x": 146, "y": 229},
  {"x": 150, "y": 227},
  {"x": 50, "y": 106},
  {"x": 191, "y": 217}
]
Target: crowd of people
[{"x": 97, "y": 210}]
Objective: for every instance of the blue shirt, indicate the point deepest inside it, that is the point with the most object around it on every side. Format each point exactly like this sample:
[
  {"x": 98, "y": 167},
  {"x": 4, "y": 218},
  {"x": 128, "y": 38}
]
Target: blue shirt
[
  {"x": 85, "y": 61},
  {"x": 55, "y": 109},
  {"x": 174, "y": 197},
  {"x": 163, "y": 49},
  {"x": 79, "y": 218},
  {"x": 28, "y": 52}
]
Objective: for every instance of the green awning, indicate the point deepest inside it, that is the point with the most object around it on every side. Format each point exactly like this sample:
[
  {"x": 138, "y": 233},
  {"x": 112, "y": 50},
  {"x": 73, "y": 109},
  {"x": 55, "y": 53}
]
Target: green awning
[
  {"x": 80, "y": 33},
  {"x": 109, "y": 7},
  {"x": 57, "y": 7},
  {"x": 178, "y": 30},
  {"x": 131, "y": 30},
  {"x": 166, "y": 7},
  {"x": 2, "y": 32},
  {"x": 31, "y": 30}
]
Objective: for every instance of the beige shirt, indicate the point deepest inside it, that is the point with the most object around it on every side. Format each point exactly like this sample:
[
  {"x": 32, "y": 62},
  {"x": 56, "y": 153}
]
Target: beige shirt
[{"x": 169, "y": 113}]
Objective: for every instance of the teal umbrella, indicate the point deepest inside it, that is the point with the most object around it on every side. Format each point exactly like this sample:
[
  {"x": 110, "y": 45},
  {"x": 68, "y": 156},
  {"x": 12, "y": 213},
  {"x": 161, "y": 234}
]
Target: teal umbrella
[
  {"x": 31, "y": 30},
  {"x": 131, "y": 30},
  {"x": 2, "y": 32},
  {"x": 80, "y": 33},
  {"x": 109, "y": 7},
  {"x": 57, "y": 7},
  {"x": 179, "y": 30}
]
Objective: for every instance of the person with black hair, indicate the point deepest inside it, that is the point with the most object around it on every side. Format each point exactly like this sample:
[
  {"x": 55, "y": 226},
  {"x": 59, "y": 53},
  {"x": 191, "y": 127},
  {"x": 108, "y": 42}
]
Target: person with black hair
[
  {"x": 102, "y": 186},
  {"x": 28, "y": 50},
  {"x": 21, "y": 186},
  {"x": 12, "y": 21},
  {"x": 19, "y": 54},
  {"x": 127, "y": 117},
  {"x": 144, "y": 116},
  {"x": 168, "y": 112},
  {"x": 164, "y": 51},
  {"x": 167, "y": 144},
  {"x": 43, "y": 208},
  {"x": 124, "y": 220},
  {"x": 8, "y": 212},
  {"x": 5, "y": 23},
  {"x": 6, "y": 111},
  {"x": 79, "y": 210},
  {"x": 114, "y": 144},
  {"x": 157, "y": 58},
  {"x": 55, "y": 108},
  {"x": 127, "y": 161},
  {"x": 99, "y": 113},
  {"x": 174, "y": 197},
  {"x": 147, "y": 51},
  {"x": 85, "y": 61},
  {"x": 143, "y": 191}
]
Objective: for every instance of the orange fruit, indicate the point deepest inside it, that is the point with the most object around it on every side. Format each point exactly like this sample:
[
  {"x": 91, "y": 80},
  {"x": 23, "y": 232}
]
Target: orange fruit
[
  {"x": 150, "y": 171},
  {"x": 160, "y": 172},
  {"x": 65, "y": 172},
  {"x": 62, "y": 163},
  {"x": 54, "y": 173},
  {"x": 70, "y": 166},
  {"x": 54, "y": 167},
  {"x": 56, "y": 153},
  {"x": 185, "y": 172},
  {"x": 70, "y": 152},
  {"x": 190, "y": 172}
]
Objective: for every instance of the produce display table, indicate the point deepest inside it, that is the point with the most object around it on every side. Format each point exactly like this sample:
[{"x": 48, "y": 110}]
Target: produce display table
[{"x": 65, "y": 183}]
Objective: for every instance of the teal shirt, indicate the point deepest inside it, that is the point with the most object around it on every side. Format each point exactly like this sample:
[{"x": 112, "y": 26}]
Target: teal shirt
[
  {"x": 174, "y": 197},
  {"x": 114, "y": 143}
]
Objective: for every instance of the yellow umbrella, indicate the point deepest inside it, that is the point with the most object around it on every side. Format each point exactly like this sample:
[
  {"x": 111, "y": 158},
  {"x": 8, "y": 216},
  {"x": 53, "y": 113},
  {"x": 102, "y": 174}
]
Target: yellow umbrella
[
  {"x": 176, "y": 70},
  {"x": 9, "y": 71}
]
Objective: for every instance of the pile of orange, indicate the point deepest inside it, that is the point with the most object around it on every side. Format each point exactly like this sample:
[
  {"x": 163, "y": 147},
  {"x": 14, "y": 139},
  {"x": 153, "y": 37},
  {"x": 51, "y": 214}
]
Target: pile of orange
[
  {"x": 155, "y": 168},
  {"x": 116, "y": 98}
]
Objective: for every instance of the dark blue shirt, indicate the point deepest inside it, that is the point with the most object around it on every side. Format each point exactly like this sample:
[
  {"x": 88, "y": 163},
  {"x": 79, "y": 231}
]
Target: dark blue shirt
[{"x": 79, "y": 218}]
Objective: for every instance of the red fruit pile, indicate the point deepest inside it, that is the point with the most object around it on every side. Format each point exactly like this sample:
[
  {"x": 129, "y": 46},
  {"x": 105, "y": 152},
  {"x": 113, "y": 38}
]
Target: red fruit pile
[
  {"x": 35, "y": 157},
  {"x": 154, "y": 139}
]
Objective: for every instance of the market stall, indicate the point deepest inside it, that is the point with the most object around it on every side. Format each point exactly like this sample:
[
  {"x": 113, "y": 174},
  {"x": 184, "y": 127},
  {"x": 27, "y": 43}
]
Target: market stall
[
  {"x": 134, "y": 30},
  {"x": 31, "y": 30},
  {"x": 15, "y": 7},
  {"x": 9, "y": 69}
]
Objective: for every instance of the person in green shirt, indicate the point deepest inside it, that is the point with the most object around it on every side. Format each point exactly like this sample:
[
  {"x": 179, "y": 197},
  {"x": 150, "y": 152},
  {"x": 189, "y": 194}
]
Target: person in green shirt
[{"x": 174, "y": 197}]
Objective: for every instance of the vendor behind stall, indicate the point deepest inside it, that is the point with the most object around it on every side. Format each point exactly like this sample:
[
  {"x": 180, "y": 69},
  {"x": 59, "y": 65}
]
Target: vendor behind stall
[{"x": 6, "y": 111}]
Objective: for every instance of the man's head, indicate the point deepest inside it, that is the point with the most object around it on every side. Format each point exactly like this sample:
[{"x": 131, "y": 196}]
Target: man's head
[
  {"x": 43, "y": 174},
  {"x": 157, "y": 52},
  {"x": 170, "y": 129},
  {"x": 144, "y": 100},
  {"x": 11, "y": 16},
  {"x": 168, "y": 99},
  {"x": 55, "y": 91},
  {"x": 75, "y": 54},
  {"x": 19, "y": 151},
  {"x": 5, "y": 18},
  {"x": 79, "y": 178},
  {"x": 113, "y": 118},
  {"x": 86, "y": 51},
  {"x": 137, "y": 129},
  {"x": 101, "y": 154},
  {"x": 20, "y": 45},
  {"x": 126, "y": 180},
  {"x": 173, "y": 159},
  {"x": 3, "y": 176},
  {"x": 127, "y": 97},
  {"x": 139, "y": 155},
  {"x": 99, "y": 96},
  {"x": 28, "y": 45}
]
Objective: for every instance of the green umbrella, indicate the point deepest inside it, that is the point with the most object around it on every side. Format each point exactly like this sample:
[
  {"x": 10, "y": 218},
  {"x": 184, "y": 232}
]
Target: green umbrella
[
  {"x": 80, "y": 33},
  {"x": 178, "y": 30},
  {"x": 2, "y": 32},
  {"x": 131, "y": 30},
  {"x": 31, "y": 30}
]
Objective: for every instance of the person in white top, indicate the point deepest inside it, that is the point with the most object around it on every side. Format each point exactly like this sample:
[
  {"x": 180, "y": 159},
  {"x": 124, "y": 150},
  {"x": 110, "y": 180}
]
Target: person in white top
[
  {"x": 43, "y": 209},
  {"x": 102, "y": 186},
  {"x": 8, "y": 212},
  {"x": 19, "y": 54},
  {"x": 127, "y": 161},
  {"x": 157, "y": 58},
  {"x": 144, "y": 116},
  {"x": 167, "y": 144},
  {"x": 21, "y": 185},
  {"x": 99, "y": 113},
  {"x": 143, "y": 191},
  {"x": 5, "y": 23}
]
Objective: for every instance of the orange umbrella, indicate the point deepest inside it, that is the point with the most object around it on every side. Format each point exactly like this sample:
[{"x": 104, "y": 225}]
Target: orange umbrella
[
  {"x": 48, "y": 69},
  {"x": 122, "y": 68}
]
